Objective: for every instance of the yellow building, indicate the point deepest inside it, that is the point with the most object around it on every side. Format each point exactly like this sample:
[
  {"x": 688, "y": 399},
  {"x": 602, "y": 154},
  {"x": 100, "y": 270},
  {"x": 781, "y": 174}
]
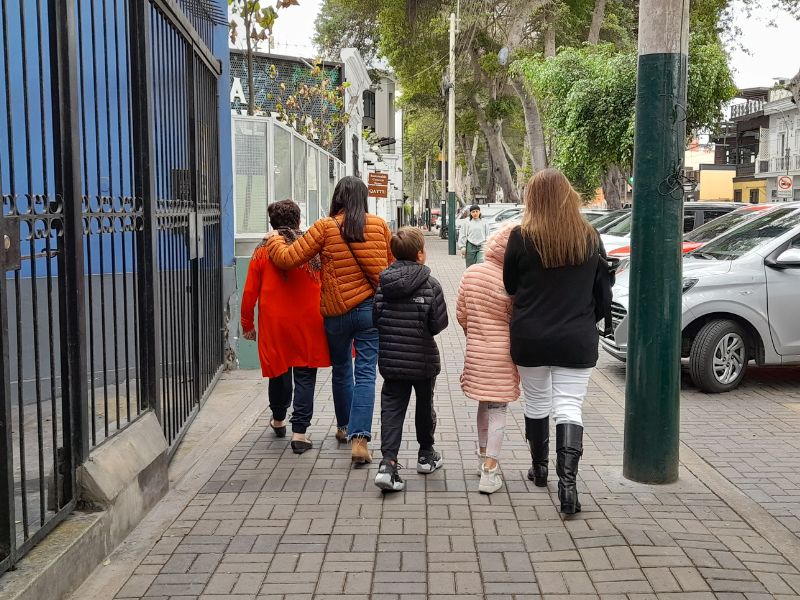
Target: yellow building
[
  {"x": 716, "y": 183},
  {"x": 750, "y": 190}
]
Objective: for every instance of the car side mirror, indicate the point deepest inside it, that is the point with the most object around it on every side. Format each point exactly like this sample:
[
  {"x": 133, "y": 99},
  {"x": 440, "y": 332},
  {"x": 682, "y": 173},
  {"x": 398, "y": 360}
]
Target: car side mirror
[{"x": 788, "y": 259}]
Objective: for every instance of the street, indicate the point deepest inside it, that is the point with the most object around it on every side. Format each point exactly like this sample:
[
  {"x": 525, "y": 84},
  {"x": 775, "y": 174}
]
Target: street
[{"x": 263, "y": 523}]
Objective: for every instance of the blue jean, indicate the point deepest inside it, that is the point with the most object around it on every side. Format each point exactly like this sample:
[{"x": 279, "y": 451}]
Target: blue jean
[{"x": 353, "y": 390}]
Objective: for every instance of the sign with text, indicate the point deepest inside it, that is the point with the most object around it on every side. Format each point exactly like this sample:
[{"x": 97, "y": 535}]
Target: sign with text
[
  {"x": 378, "y": 184},
  {"x": 785, "y": 185}
]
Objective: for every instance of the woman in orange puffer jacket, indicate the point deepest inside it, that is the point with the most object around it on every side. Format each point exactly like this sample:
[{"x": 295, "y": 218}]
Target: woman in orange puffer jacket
[{"x": 354, "y": 248}]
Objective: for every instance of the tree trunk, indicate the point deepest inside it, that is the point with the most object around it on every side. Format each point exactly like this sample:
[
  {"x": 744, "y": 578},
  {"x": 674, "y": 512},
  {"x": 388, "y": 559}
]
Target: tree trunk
[
  {"x": 491, "y": 182},
  {"x": 473, "y": 177},
  {"x": 598, "y": 15},
  {"x": 251, "y": 92},
  {"x": 614, "y": 187},
  {"x": 550, "y": 36},
  {"x": 533, "y": 126},
  {"x": 502, "y": 172}
]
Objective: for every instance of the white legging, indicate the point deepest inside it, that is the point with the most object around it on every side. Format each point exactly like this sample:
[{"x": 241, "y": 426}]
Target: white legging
[
  {"x": 491, "y": 427},
  {"x": 555, "y": 391}
]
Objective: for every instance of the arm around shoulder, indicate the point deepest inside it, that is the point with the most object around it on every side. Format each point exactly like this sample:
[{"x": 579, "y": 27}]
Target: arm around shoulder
[{"x": 303, "y": 249}]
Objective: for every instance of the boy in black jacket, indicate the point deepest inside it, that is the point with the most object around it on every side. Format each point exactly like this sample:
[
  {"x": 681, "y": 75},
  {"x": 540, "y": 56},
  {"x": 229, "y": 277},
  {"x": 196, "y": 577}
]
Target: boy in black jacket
[{"x": 409, "y": 310}]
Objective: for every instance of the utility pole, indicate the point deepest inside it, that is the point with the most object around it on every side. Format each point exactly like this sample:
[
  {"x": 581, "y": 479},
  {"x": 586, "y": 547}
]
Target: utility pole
[
  {"x": 412, "y": 196},
  {"x": 652, "y": 395},
  {"x": 443, "y": 230},
  {"x": 427, "y": 199},
  {"x": 451, "y": 142}
]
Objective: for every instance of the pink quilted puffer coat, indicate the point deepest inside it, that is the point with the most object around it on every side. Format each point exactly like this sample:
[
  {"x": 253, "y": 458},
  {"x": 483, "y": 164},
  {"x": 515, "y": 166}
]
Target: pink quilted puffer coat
[{"x": 484, "y": 313}]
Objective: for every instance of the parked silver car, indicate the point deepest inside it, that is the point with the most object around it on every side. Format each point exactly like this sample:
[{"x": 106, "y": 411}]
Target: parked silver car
[{"x": 741, "y": 293}]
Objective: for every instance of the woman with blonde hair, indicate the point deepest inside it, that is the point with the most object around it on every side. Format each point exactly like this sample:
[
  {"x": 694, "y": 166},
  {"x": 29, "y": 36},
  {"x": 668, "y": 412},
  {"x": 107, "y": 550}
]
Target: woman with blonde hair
[{"x": 553, "y": 265}]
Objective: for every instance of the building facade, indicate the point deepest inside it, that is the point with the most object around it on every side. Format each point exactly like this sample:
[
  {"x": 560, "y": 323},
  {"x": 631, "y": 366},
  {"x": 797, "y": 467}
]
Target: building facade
[{"x": 779, "y": 149}]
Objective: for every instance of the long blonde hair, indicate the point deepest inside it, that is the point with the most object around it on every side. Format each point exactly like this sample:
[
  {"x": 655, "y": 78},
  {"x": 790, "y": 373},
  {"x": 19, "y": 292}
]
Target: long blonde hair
[{"x": 553, "y": 221}]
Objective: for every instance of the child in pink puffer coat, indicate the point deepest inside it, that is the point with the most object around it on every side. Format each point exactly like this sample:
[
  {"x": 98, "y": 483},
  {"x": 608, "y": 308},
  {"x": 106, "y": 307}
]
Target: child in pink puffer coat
[{"x": 483, "y": 310}]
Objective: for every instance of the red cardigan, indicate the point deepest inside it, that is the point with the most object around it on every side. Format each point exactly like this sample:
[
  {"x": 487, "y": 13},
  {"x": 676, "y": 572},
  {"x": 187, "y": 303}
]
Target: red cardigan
[{"x": 290, "y": 328}]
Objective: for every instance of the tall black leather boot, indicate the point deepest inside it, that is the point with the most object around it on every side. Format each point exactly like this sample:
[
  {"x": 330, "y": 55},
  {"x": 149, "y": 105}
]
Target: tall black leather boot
[
  {"x": 569, "y": 449},
  {"x": 537, "y": 432}
]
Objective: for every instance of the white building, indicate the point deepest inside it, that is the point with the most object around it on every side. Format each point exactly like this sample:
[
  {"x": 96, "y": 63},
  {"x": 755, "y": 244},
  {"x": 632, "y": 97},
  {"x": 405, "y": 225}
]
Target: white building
[{"x": 779, "y": 148}]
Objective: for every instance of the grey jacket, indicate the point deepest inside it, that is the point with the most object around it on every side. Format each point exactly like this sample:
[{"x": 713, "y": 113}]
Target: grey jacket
[{"x": 474, "y": 231}]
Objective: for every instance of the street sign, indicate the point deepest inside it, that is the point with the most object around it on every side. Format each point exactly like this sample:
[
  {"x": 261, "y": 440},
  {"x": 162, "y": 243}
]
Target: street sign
[
  {"x": 785, "y": 186},
  {"x": 378, "y": 184}
]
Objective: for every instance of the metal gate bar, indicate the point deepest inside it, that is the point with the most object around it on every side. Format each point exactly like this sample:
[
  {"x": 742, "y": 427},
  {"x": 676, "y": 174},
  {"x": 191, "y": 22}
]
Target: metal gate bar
[{"x": 110, "y": 239}]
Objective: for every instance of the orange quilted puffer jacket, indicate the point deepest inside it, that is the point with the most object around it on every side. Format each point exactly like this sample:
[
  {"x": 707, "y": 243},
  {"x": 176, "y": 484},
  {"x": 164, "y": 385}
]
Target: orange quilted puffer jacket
[{"x": 344, "y": 285}]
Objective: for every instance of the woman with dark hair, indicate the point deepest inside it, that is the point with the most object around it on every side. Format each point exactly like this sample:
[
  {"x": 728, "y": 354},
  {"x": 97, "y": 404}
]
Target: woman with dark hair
[
  {"x": 291, "y": 335},
  {"x": 354, "y": 248},
  {"x": 554, "y": 268}
]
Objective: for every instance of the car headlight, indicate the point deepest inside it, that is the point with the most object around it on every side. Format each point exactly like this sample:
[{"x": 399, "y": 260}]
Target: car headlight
[{"x": 689, "y": 283}]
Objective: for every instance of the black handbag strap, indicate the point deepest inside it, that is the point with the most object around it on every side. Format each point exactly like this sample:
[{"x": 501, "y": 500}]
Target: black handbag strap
[{"x": 353, "y": 254}]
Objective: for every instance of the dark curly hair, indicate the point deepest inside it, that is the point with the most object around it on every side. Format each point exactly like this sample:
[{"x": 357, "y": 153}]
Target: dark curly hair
[{"x": 284, "y": 214}]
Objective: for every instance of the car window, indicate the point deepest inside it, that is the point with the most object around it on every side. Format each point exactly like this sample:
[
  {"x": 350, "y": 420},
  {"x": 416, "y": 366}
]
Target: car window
[
  {"x": 752, "y": 234},
  {"x": 605, "y": 220},
  {"x": 710, "y": 215},
  {"x": 795, "y": 244},
  {"x": 688, "y": 222},
  {"x": 503, "y": 216},
  {"x": 719, "y": 226},
  {"x": 622, "y": 228}
]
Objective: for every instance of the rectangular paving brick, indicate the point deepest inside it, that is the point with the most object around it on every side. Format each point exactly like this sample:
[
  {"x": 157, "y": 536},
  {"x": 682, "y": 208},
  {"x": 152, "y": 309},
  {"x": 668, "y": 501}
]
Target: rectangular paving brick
[{"x": 275, "y": 526}]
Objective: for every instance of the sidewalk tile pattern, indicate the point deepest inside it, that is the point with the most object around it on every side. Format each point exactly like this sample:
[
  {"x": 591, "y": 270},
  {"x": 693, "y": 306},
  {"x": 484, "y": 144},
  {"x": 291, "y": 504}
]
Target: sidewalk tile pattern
[{"x": 270, "y": 525}]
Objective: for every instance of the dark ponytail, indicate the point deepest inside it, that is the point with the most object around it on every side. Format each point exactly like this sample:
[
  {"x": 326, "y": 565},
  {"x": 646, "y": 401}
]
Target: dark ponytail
[{"x": 350, "y": 197}]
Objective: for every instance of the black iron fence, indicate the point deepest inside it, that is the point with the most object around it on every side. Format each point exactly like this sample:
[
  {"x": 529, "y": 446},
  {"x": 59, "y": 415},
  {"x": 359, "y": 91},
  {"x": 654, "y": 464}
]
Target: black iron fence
[{"x": 110, "y": 247}]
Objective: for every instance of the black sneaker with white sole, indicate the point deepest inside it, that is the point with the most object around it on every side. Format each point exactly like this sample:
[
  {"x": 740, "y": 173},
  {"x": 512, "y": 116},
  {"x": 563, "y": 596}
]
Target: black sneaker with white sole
[
  {"x": 388, "y": 479},
  {"x": 429, "y": 461}
]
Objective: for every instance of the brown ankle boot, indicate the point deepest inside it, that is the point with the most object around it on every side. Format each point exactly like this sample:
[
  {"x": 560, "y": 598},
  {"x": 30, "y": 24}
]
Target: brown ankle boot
[
  {"x": 341, "y": 434},
  {"x": 360, "y": 452}
]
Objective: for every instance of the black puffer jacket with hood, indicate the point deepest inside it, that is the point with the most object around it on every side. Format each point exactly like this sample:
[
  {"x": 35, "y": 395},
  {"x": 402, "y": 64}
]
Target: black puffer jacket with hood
[{"x": 409, "y": 310}]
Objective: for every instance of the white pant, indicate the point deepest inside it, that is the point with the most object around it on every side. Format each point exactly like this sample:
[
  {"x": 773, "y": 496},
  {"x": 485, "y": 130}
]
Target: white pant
[{"x": 555, "y": 390}]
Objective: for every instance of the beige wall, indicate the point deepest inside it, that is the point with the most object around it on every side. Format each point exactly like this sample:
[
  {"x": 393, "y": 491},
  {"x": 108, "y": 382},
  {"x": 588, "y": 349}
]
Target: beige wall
[{"x": 716, "y": 185}]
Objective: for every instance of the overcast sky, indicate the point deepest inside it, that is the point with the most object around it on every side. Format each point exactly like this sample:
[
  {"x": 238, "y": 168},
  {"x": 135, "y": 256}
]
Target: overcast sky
[{"x": 773, "y": 51}]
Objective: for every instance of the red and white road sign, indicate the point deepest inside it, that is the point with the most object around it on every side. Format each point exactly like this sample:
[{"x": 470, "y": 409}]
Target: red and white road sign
[{"x": 785, "y": 186}]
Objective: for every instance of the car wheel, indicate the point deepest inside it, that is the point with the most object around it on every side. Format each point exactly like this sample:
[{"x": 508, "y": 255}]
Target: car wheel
[{"x": 718, "y": 358}]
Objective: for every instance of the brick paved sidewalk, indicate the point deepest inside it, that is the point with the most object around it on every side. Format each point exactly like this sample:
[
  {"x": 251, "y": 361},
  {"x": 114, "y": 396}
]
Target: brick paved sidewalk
[{"x": 270, "y": 524}]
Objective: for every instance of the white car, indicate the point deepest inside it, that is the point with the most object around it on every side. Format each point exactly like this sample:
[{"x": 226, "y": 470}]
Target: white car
[{"x": 740, "y": 297}]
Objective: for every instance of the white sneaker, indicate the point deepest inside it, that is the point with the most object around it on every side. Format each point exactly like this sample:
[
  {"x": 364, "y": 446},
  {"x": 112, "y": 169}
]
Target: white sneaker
[
  {"x": 491, "y": 481},
  {"x": 481, "y": 459}
]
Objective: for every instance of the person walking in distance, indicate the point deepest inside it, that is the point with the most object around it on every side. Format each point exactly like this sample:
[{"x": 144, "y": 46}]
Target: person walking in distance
[
  {"x": 354, "y": 248},
  {"x": 552, "y": 265},
  {"x": 291, "y": 336},
  {"x": 473, "y": 235},
  {"x": 409, "y": 311},
  {"x": 483, "y": 310}
]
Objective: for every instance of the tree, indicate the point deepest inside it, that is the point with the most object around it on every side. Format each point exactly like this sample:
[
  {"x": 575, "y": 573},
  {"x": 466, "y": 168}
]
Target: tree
[
  {"x": 258, "y": 24},
  {"x": 588, "y": 98},
  {"x": 314, "y": 105},
  {"x": 348, "y": 24}
]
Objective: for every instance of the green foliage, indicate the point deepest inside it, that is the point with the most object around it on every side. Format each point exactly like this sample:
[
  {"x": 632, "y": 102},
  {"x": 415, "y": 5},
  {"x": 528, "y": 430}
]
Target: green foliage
[
  {"x": 587, "y": 98},
  {"x": 501, "y": 108},
  {"x": 348, "y": 24}
]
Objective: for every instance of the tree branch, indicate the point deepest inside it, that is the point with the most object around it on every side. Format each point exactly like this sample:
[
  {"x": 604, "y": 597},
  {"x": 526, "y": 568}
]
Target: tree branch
[{"x": 598, "y": 15}]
